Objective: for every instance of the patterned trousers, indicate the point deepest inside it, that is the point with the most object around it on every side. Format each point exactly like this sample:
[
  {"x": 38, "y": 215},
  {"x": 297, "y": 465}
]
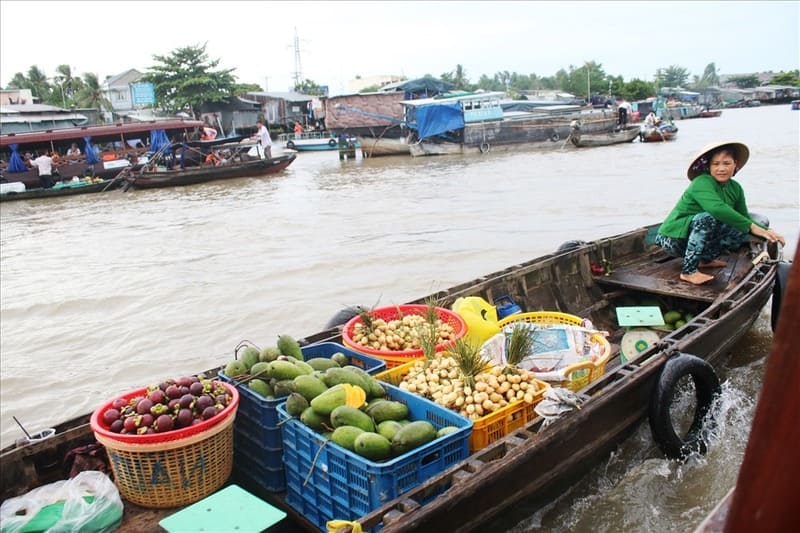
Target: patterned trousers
[{"x": 708, "y": 239}]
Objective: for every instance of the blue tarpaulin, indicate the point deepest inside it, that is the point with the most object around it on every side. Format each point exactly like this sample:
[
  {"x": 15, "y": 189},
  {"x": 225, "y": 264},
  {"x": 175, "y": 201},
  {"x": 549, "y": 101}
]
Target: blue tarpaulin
[
  {"x": 435, "y": 119},
  {"x": 159, "y": 143},
  {"x": 91, "y": 156},
  {"x": 15, "y": 164}
]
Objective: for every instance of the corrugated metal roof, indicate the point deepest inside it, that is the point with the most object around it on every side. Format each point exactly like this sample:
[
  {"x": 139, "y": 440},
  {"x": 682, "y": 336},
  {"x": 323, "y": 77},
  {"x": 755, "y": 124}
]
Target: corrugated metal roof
[
  {"x": 30, "y": 108},
  {"x": 288, "y": 96},
  {"x": 24, "y": 119}
]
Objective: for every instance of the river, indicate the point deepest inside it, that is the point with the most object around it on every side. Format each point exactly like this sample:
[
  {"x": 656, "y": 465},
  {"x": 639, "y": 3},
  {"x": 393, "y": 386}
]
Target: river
[{"x": 101, "y": 294}]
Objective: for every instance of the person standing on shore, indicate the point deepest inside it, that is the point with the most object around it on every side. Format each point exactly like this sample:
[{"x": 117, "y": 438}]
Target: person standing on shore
[{"x": 711, "y": 216}]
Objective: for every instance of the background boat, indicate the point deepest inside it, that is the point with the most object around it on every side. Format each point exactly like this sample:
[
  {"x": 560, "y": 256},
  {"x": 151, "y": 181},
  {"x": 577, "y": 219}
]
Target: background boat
[
  {"x": 625, "y": 135},
  {"x": 310, "y": 141},
  {"x": 665, "y": 132}
]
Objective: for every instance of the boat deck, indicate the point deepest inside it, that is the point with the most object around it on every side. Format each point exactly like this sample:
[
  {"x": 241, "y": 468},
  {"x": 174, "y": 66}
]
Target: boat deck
[{"x": 663, "y": 277}]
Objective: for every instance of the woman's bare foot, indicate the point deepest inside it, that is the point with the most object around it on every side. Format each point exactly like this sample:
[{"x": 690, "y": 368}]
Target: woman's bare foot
[
  {"x": 713, "y": 264},
  {"x": 696, "y": 278}
]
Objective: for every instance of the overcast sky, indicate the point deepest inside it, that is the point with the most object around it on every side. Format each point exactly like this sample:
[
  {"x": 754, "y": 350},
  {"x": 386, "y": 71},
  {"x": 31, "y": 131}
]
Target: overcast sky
[{"x": 340, "y": 40}]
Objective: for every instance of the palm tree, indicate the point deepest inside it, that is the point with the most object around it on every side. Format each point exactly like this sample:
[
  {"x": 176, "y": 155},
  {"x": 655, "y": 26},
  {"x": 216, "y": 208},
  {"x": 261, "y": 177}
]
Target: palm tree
[
  {"x": 38, "y": 84},
  {"x": 67, "y": 83},
  {"x": 91, "y": 94}
]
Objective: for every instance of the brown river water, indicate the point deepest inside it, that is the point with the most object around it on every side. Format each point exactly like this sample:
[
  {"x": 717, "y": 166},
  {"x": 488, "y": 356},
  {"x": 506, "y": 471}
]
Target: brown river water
[{"x": 101, "y": 294}]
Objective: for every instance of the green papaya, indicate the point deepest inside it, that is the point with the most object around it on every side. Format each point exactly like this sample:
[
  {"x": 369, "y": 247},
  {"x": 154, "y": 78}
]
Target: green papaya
[
  {"x": 261, "y": 370},
  {"x": 446, "y": 430},
  {"x": 375, "y": 389},
  {"x": 329, "y": 400},
  {"x": 337, "y": 376},
  {"x": 344, "y": 415},
  {"x": 322, "y": 363},
  {"x": 388, "y": 428},
  {"x": 340, "y": 359},
  {"x": 269, "y": 354},
  {"x": 670, "y": 317},
  {"x": 387, "y": 410},
  {"x": 283, "y": 388},
  {"x": 372, "y": 446},
  {"x": 288, "y": 346},
  {"x": 235, "y": 368},
  {"x": 314, "y": 420},
  {"x": 302, "y": 365},
  {"x": 281, "y": 370},
  {"x": 345, "y": 436},
  {"x": 248, "y": 356},
  {"x": 309, "y": 386},
  {"x": 412, "y": 436},
  {"x": 261, "y": 387},
  {"x": 296, "y": 404}
]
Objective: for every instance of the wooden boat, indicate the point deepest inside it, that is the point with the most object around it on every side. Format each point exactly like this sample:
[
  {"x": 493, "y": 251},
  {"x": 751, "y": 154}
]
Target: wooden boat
[
  {"x": 710, "y": 113},
  {"x": 795, "y": 105},
  {"x": 532, "y": 464},
  {"x": 479, "y": 123},
  {"x": 69, "y": 188},
  {"x": 625, "y": 135},
  {"x": 176, "y": 177},
  {"x": 119, "y": 139},
  {"x": 665, "y": 132}
]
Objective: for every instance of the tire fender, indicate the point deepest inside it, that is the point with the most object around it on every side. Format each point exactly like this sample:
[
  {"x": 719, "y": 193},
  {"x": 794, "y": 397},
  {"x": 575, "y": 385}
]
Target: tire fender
[
  {"x": 332, "y": 143},
  {"x": 706, "y": 384},
  {"x": 290, "y": 145},
  {"x": 555, "y": 137},
  {"x": 485, "y": 147},
  {"x": 778, "y": 288},
  {"x": 342, "y": 316},
  {"x": 570, "y": 245}
]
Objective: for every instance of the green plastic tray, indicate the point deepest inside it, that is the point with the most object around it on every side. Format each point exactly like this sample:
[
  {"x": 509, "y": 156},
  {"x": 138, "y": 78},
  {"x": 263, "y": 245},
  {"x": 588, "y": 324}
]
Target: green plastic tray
[
  {"x": 231, "y": 509},
  {"x": 640, "y": 316}
]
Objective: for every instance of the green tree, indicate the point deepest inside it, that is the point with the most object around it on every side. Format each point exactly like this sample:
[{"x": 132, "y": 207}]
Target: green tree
[
  {"x": 36, "y": 81},
  {"x": 709, "y": 77},
  {"x": 309, "y": 87},
  {"x": 672, "y": 76},
  {"x": 67, "y": 86},
  {"x": 745, "y": 81},
  {"x": 186, "y": 79},
  {"x": 244, "y": 88},
  {"x": 458, "y": 78},
  {"x": 370, "y": 89},
  {"x": 91, "y": 94},
  {"x": 786, "y": 78},
  {"x": 637, "y": 89}
]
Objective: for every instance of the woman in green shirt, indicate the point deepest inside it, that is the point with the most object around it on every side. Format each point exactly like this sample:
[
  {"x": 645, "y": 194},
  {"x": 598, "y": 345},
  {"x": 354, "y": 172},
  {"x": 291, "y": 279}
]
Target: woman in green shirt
[{"x": 711, "y": 216}]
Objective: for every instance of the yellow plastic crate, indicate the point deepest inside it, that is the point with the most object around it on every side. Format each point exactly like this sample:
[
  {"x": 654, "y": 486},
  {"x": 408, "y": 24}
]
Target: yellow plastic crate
[
  {"x": 489, "y": 428},
  {"x": 577, "y": 375}
]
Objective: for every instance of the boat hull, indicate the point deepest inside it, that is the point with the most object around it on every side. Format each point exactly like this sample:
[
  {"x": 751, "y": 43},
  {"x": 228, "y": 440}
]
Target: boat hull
[
  {"x": 375, "y": 147},
  {"x": 195, "y": 175},
  {"x": 626, "y": 135},
  {"x": 38, "y": 193},
  {"x": 542, "y": 130}
]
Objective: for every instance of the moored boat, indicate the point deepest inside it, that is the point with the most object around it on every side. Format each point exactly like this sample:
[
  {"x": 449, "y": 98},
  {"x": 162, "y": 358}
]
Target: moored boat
[
  {"x": 624, "y": 135},
  {"x": 68, "y": 188},
  {"x": 119, "y": 144},
  {"x": 533, "y": 462},
  {"x": 380, "y": 146},
  {"x": 312, "y": 141},
  {"x": 479, "y": 123}
]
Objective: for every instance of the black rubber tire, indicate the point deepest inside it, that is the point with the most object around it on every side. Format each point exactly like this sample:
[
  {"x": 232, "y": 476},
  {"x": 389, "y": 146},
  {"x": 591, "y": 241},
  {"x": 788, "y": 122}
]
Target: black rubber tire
[
  {"x": 332, "y": 143},
  {"x": 779, "y": 287},
  {"x": 706, "y": 384},
  {"x": 555, "y": 137},
  {"x": 570, "y": 245},
  {"x": 485, "y": 148},
  {"x": 290, "y": 145},
  {"x": 342, "y": 316}
]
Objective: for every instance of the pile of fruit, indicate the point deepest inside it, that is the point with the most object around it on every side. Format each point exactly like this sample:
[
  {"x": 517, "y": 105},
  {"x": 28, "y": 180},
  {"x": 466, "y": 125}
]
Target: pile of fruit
[
  {"x": 167, "y": 406},
  {"x": 441, "y": 381},
  {"x": 405, "y": 331}
]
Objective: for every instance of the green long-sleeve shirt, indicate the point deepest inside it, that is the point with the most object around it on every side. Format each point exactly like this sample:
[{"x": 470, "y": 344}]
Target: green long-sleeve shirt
[{"x": 725, "y": 202}]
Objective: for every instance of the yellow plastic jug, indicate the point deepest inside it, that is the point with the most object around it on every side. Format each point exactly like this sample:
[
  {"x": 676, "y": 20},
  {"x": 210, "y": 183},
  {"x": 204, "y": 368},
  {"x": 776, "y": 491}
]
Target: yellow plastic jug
[{"x": 480, "y": 317}]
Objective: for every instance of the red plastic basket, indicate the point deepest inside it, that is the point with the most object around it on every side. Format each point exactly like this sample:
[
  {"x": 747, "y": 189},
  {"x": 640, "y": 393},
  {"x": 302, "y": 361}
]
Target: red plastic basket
[
  {"x": 396, "y": 358},
  {"x": 99, "y": 427}
]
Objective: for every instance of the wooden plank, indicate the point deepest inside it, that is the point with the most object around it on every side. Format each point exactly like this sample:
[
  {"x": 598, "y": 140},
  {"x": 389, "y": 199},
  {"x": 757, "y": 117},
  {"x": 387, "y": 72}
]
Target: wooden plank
[{"x": 664, "y": 278}]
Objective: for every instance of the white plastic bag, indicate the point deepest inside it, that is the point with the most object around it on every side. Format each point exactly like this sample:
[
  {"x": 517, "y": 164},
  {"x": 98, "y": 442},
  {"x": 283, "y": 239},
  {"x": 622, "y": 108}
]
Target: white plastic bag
[{"x": 102, "y": 514}]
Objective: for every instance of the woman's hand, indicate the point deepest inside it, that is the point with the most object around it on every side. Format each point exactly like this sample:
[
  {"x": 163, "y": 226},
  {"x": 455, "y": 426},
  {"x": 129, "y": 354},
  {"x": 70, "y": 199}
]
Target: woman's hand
[{"x": 768, "y": 234}]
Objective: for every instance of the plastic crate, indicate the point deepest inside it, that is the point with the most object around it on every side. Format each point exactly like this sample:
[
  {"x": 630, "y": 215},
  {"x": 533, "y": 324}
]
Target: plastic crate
[
  {"x": 489, "y": 428},
  {"x": 578, "y": 375},
  {"x": 258, "y": 440},
  {"x": 344, "y": 483},
  {"x": 397, "y": 358}
]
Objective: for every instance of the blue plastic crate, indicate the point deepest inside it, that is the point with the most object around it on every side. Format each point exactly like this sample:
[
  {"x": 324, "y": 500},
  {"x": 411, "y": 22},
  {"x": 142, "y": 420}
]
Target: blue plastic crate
[
  {"x": 267, "y": 479},
  {"x": 257, "y": 415},
  {"x": 357, "y": 484},
  {"x": 255, "y": 452}
]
